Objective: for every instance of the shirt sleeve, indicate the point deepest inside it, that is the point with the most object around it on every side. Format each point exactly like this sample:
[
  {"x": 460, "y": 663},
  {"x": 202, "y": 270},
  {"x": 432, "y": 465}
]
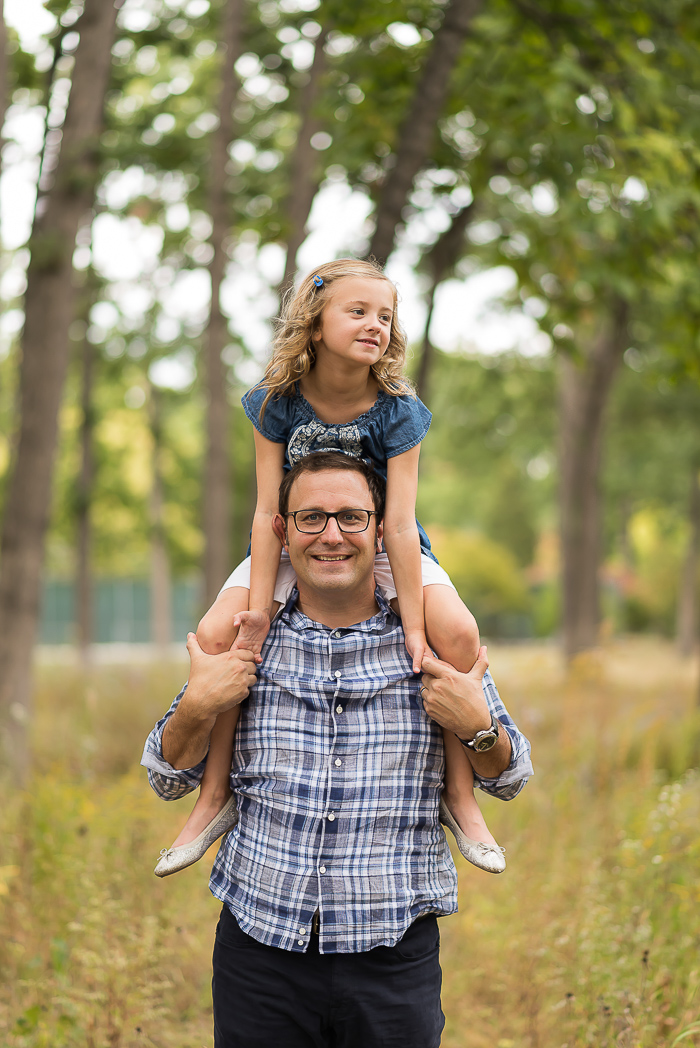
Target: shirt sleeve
[
  {"x": 511, "y": 781},
  {"x": 275, "y": 423},
  {"x": 406, "y": 422},
  {"x": 168, "y": 782}
]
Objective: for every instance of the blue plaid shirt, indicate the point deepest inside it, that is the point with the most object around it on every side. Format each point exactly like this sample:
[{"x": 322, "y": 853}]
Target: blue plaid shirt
[{"x": 338, "y": 772}]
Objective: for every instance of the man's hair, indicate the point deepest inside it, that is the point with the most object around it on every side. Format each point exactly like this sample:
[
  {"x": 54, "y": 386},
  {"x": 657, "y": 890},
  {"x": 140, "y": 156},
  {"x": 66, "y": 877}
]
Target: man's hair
[{"x": 321, "y": 461}]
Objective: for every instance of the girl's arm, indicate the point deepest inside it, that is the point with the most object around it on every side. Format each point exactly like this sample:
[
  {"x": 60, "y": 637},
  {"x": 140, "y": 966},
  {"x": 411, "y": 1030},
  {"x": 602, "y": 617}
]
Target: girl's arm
[
  {"x": 265, "y": 546},
  {"x": 403, "y": 547},
  {"x": 231, "y": 610}
]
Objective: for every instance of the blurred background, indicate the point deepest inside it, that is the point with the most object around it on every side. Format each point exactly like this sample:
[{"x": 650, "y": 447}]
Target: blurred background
[{"x": 528, "y": 172}]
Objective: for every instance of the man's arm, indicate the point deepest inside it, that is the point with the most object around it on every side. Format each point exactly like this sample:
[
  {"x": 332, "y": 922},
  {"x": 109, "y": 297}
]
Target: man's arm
[
  {"x": 216, "y": 683},
  {"x": 463, "y": 703},
  {"x": 176, "y": 749}
]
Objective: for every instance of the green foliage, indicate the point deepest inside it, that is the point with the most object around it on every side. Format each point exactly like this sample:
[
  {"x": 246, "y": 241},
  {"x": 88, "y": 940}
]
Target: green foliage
[{"x": 587, "y": 939}]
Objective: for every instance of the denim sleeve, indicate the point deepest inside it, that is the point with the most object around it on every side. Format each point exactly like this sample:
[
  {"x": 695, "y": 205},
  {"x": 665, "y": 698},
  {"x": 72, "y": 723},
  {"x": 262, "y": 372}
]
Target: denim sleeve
[
  {"x": 168, "y": 782},
  {"x": 511, "y": 781},
  {"x": 275, "y": 423},
  {"x": 405, "y": 424}
]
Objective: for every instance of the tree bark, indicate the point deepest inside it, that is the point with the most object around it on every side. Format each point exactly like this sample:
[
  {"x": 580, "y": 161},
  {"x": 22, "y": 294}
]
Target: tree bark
[
  {"x": 217, "y": 470},
  {"x": 584, "y": 392},
  {"x": 84, "y": 586},
  {"x": 687, "y": 621},
  {"x": 417, "y": 132},
  {"x": 304, "y": 180},
  {"x": 441, "y": 259},
  {"x": 161, "y": 618},
  {"x": 49, "y": 310}
]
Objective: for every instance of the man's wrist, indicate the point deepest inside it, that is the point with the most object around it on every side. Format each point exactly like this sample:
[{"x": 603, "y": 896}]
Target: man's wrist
[{"x": 484, "y": 739}]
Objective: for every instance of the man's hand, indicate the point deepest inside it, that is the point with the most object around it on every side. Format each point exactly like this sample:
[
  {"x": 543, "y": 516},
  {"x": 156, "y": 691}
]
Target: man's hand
[
  {"x": 457, "y": 702},
  {"x": 216, "y": 684}
]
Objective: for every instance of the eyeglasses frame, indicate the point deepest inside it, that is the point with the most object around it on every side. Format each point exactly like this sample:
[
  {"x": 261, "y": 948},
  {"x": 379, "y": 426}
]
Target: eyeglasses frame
[{"x": 370, "y": 513}]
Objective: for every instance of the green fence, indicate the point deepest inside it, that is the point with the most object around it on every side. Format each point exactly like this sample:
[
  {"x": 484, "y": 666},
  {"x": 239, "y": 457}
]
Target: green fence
[{"x": 122, "y": 609}]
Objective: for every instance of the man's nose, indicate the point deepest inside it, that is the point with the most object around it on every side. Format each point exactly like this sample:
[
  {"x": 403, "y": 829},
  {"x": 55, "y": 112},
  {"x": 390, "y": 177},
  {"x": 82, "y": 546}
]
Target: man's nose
[{"x": 331, "y": 532}]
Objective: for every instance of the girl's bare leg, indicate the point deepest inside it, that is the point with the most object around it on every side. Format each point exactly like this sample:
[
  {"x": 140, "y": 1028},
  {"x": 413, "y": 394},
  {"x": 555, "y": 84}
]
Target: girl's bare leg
[
  {"x": 216, "y": 633},
  {"x": 453, "y": 633}
]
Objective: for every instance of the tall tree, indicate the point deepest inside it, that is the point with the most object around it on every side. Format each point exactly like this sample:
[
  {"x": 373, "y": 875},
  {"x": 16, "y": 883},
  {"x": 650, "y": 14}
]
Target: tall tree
[
  {"x": 687, "y": 623},
  {"x": 217, "y": 469},
  {"x": 584, "y": 395},
  {"x": 84, "y": 493},
  {"x": 418, "y": 130},
  {"x": 161, "y": 629},
  {"x": 49, "y": 311},
  {"x": 4, "y": 77},
  {"x": 304, "y": 177},
  {"x": 440, "y": 260}
]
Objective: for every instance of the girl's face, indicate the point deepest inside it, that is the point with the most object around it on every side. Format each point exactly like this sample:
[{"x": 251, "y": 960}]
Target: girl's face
[{"x": 355, "y": 325}]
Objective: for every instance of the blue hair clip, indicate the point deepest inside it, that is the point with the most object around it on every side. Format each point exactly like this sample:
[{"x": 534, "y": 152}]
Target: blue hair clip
[{"x": 318, "y": 281}]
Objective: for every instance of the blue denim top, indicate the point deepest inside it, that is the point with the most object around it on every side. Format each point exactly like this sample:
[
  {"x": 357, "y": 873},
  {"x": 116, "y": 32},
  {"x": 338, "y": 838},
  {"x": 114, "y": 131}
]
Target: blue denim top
[{"x": 392, "y": 425}]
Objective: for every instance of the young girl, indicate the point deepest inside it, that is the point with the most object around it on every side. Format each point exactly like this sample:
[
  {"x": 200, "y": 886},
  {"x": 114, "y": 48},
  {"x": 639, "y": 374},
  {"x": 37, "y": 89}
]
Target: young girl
[{"x": 335, "y": 383}]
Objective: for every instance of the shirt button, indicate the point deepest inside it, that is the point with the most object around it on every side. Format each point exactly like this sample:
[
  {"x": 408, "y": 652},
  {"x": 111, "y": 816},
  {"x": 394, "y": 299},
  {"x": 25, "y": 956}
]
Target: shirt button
[
  {"x": 302, "y": 931},
  {"x": 322, "y": 869},
  {"x": 300, "y": 942},
  {"x": 331, "y": 817},
  {"x": 338, "y": 762},
  {"x": 337, "y": 674},
  {"x": 337, "y": 633},
  {"x": 339, "y": 709}
]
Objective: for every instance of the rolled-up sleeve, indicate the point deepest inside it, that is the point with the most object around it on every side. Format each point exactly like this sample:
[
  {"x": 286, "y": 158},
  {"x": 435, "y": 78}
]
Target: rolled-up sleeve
[
  {"x": 168, "y": 782},
  {"x": 511, "y": 781}
]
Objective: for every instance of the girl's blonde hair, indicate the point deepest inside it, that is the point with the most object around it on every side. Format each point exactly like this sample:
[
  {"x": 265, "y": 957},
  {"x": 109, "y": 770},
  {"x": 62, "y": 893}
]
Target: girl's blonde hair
[{"x": 293, "y": 353}]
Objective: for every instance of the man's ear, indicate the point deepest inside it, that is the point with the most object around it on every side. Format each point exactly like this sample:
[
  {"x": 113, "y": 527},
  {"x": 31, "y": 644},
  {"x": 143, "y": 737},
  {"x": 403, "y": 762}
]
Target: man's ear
[
  {"x": 380, "y": 536},
  {"x": 280, "y": 529}
]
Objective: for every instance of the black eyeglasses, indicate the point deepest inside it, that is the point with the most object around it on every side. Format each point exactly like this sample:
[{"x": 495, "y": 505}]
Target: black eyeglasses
[{"x": 314, "y": 521}]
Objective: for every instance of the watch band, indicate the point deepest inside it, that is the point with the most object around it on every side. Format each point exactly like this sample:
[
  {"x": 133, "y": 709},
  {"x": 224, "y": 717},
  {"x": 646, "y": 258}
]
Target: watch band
[{"x": 483, "y": 740}]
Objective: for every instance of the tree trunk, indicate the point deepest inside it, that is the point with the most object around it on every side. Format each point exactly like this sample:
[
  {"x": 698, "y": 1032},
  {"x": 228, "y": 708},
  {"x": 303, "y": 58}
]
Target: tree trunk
[
  {"x": 584, "y": 391},
  {"x": 442, "y": 257},
  {"x": 687, "y": 621},
  {"x": 49, "y": 310},
  {"x": 161, "y": 624},
  {"x": 303, "y": 179},
  {"x": 217, "y": 470},
  {"x": 417, "y": 132},
  {"x": 4, "y": 76},
  {"x": 83, "y": 587}
]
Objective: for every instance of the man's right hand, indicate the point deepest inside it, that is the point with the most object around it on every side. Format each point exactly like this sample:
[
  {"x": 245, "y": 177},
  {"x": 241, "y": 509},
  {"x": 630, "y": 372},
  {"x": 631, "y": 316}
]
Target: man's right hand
[{"x": 217, "y": 683}]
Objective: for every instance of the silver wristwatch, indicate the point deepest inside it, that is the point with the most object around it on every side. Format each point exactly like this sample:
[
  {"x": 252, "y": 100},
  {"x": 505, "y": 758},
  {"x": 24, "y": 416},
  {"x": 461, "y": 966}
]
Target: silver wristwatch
[{"x": 483, "y": 740}]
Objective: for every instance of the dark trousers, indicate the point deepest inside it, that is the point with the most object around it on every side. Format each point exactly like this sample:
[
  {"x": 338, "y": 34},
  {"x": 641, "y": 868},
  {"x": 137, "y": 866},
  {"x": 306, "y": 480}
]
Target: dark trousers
[{"x": 388, "y": 997}]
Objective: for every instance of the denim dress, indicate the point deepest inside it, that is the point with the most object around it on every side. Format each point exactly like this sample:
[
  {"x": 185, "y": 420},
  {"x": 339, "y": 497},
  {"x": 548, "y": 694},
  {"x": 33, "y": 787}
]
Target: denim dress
[{"x": 392, "y": 425}]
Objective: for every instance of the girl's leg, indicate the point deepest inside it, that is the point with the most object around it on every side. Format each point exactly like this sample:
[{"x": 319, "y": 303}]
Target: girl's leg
[
  {"x": 452, "y": 632},
  {"x": 216, "y": 634}
]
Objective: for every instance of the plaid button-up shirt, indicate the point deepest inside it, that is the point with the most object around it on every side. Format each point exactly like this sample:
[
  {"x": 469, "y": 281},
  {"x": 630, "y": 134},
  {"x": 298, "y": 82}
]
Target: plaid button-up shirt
[{"x": 338, "y": 772}]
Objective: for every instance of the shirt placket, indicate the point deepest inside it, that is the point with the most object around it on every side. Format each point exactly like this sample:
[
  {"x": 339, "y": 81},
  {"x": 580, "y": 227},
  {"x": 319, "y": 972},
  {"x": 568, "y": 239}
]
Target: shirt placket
[{"x": 334, "y": 763}]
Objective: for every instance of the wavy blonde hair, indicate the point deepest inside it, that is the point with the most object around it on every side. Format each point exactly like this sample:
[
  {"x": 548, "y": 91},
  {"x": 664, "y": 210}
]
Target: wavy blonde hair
[{"x": 293, "y": 354}]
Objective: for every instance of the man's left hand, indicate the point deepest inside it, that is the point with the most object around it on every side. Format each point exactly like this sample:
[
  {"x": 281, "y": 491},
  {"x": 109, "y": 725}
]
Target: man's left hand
[{"x": 456, "y": 700}]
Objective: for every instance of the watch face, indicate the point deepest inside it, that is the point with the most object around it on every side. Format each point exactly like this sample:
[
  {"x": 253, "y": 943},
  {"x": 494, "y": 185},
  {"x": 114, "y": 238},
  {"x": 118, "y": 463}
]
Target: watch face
[{"x": 485, "y": 741}]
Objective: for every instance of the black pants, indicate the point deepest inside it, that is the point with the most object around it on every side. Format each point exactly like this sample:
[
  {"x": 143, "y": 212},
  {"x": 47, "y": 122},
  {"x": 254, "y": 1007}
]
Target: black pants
[{"x": 388, "y": 997}]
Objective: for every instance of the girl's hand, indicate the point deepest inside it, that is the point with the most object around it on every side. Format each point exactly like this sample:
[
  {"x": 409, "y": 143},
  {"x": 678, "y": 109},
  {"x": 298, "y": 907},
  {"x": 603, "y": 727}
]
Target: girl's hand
[
  {"x": 417, "y": 647},
  {"x": 254, "y": 627}
]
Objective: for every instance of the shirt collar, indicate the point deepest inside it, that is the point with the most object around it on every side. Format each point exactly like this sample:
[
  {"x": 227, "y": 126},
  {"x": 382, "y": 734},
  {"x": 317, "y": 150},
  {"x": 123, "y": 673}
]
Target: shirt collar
[{"x": 299, "y": 622}]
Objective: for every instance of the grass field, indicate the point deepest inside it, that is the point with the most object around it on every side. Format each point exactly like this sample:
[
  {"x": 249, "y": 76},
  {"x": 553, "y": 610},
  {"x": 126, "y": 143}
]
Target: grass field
[{"x": 591, "y": 937}]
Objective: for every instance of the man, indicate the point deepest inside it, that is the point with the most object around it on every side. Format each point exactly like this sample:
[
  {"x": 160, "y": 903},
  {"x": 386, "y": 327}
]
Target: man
[{"x": 334, "y": 877}]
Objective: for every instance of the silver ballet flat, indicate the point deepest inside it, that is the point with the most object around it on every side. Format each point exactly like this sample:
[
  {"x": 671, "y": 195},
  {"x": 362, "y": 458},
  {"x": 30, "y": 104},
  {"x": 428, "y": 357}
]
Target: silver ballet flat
[
  {"x": 174, "y": 859},
  {"x": 489, "y": 857}
]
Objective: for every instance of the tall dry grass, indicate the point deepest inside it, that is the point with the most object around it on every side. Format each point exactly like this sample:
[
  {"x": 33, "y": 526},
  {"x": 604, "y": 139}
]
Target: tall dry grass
[{"x": 590, "y": 938}]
